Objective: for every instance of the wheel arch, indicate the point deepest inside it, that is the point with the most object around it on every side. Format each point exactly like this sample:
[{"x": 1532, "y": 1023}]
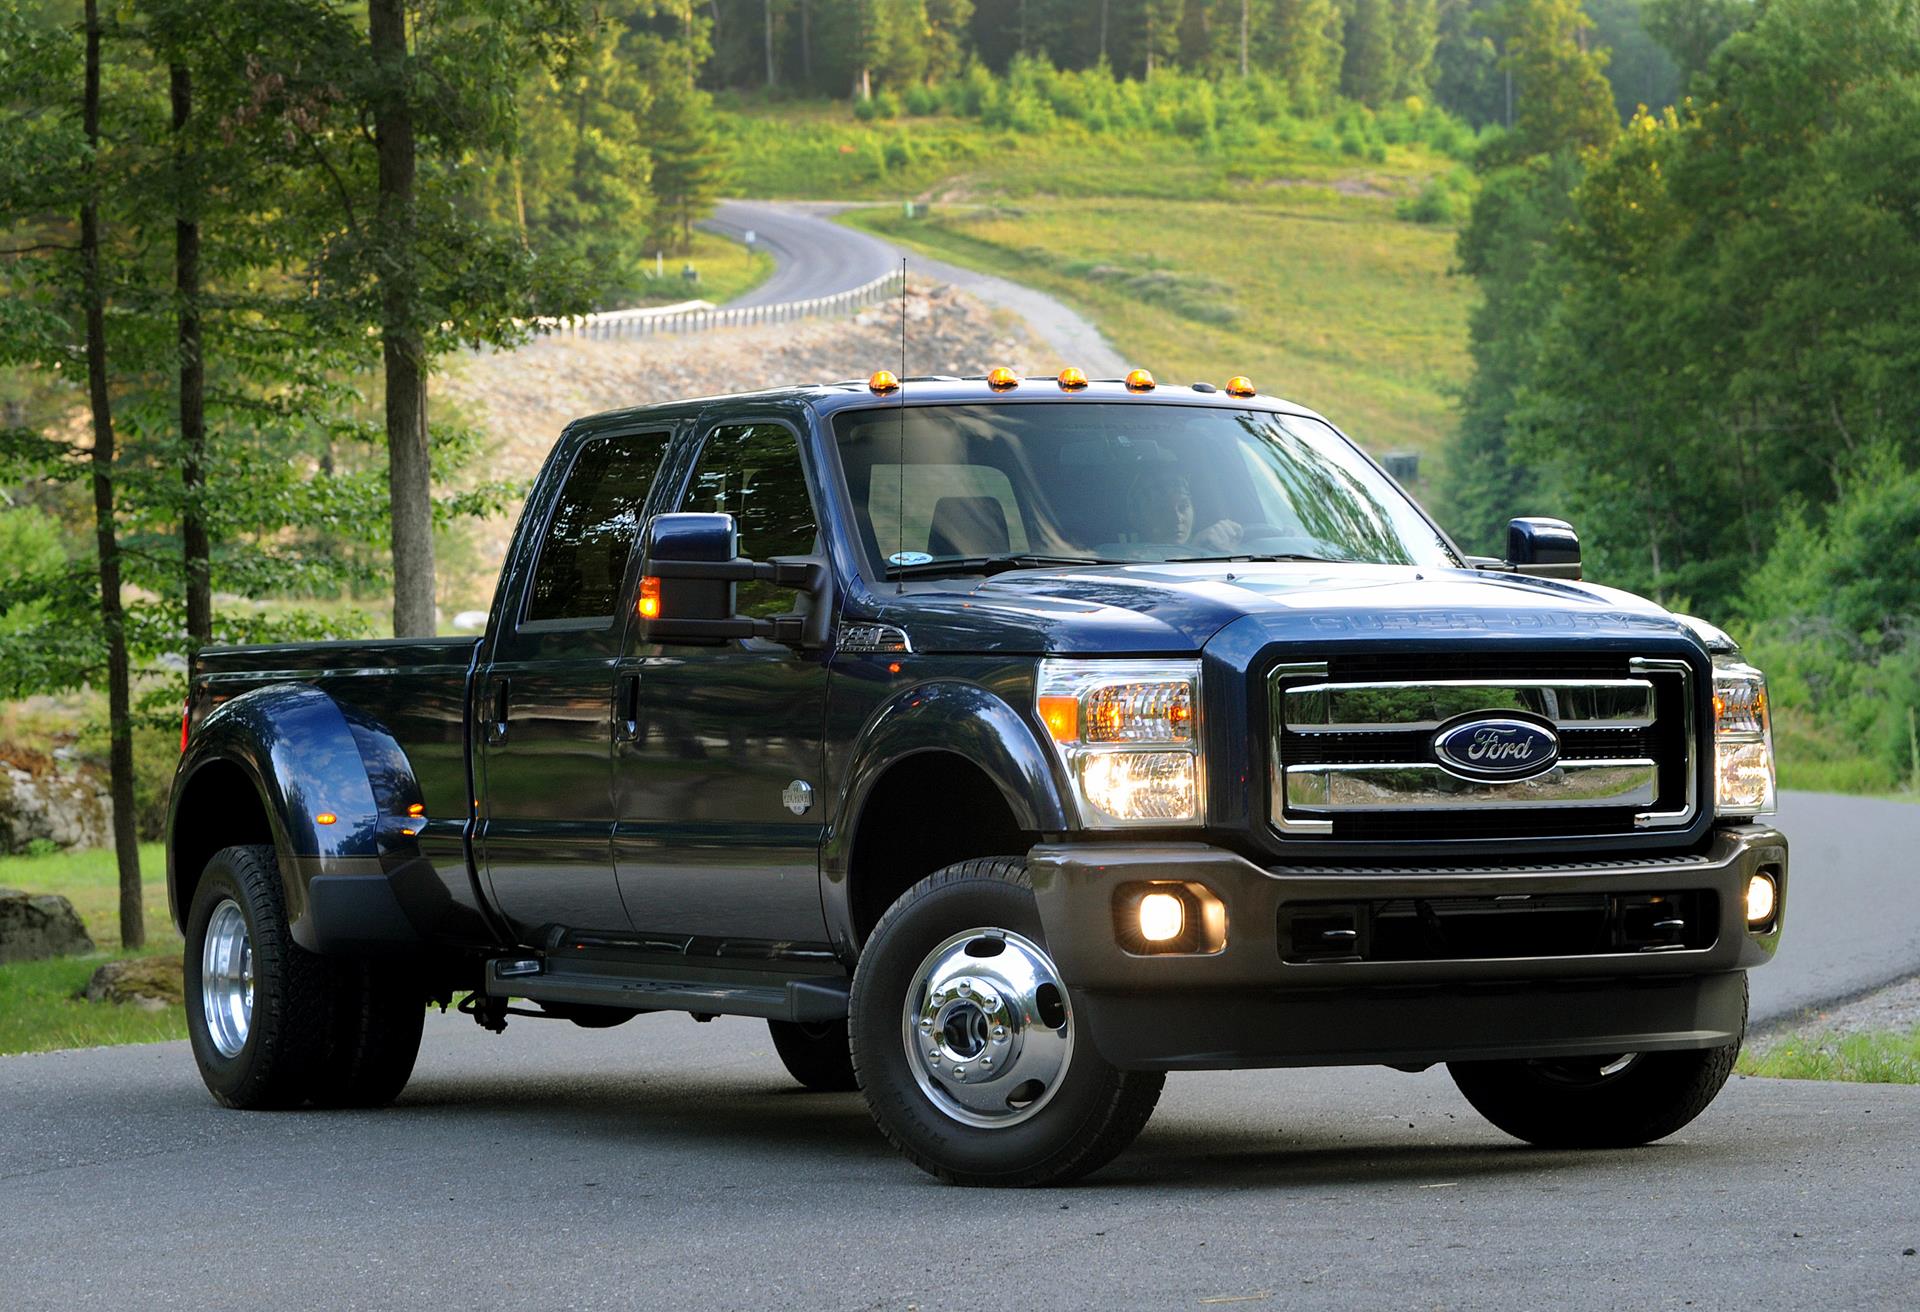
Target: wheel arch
[
  {"x": 944, "y": 772},
  {"x": 286, "y": 765}
]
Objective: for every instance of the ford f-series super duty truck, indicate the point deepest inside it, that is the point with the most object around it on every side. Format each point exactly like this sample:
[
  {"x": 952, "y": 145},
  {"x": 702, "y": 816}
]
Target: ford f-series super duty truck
[{"x": 1005, "y": 744}]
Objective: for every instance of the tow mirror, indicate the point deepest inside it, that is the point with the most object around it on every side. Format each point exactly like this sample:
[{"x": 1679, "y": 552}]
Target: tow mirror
[
  {"x": 1544, "y": 548},
  {"x": 688, "y": 574}
]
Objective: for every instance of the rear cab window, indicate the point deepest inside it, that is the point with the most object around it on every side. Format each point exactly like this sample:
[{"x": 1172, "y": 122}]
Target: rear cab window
[{"x": 584, "y": 552}]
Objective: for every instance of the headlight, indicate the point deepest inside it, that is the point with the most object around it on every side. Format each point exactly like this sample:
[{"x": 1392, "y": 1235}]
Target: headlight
[
  {"x": 1128, "y": 734},
  {"x": 1742, "y": 740}
]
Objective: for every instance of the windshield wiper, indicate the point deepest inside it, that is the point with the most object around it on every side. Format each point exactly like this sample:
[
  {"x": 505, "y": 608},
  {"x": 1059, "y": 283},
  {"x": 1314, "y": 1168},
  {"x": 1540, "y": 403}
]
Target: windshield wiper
[
  {"x": 1258, "y": 558},
  {"x": 990, "y": 564}
]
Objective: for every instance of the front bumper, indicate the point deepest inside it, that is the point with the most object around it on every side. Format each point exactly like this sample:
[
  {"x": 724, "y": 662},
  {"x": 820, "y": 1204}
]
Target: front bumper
[{"x": 1247, "y": 1004}]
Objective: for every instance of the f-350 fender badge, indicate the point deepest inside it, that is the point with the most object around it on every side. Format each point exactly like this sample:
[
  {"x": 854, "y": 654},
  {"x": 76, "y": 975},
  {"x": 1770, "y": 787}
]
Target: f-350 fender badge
[{"x": 798, "y": 796}]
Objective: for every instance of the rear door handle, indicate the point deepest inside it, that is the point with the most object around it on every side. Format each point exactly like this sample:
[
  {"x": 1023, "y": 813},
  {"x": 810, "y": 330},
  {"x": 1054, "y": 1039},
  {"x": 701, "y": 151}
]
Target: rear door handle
[{"x": 626, "y": 708}]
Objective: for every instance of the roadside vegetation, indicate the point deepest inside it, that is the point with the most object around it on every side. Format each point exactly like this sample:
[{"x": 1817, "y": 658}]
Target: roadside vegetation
[
  {"x": 40, "y": 1009},
  {"x": 1882, "y": 1057}
]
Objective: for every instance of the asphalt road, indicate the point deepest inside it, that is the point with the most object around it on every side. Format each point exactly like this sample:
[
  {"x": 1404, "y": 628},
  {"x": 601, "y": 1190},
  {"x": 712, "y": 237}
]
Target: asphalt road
[
  {"x": 1853, "y": 903},
  {"x": 667, "y": 1165},
  {"x": 814, "y": 256}
]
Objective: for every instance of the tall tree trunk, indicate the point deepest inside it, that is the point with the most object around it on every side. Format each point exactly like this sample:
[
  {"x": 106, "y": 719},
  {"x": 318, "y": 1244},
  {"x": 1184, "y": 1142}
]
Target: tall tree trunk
[
  {"x": 771, "y": 79},
  {"x": 196, "y": 546},
  {"x": 403, "y": 345},
  {"x": 1246, "y": 22},
  {"x": 806, "y": 42},
  {"x": 133, "y": 922},
  {"x": 1103, "y": 29}
]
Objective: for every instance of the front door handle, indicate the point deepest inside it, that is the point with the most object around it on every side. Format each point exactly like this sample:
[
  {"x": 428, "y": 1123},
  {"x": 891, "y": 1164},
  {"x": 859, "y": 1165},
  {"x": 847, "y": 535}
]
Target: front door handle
[
  {"x": 499, "y": 700},
  {"x": 626, "y": 708}
]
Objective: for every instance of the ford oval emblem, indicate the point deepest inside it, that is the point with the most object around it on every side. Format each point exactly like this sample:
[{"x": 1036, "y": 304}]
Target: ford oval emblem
[{"x": 1495, "y": 749}]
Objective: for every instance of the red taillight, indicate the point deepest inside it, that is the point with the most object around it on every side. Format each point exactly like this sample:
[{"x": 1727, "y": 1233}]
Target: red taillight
[{"x": 186, "y": 720}]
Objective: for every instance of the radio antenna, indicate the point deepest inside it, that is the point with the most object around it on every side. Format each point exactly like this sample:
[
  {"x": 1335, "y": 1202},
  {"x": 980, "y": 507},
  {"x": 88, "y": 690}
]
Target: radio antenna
[{"x": 901, "y": 443}]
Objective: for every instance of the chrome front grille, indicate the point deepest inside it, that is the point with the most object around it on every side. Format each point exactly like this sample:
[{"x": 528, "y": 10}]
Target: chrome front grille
[{"x": 1353, "y": 752}]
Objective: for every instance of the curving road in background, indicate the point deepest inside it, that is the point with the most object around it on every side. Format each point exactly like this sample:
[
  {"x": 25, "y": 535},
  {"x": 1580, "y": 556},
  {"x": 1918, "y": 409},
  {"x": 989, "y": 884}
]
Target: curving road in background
[{"x": 814, "y": 256}]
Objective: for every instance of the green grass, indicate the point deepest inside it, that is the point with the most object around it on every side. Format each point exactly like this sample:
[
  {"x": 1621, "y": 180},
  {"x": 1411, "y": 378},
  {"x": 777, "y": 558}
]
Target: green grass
[
  {"x": 38, "y": 1009},
  {"x": 1279, "y": 256},
  {"x": 1884, "y": 1057},
  {"x": 39, "y": 1012},
  {"x": 1323, "y": 297},
  {"x": 727, "y": 269}
]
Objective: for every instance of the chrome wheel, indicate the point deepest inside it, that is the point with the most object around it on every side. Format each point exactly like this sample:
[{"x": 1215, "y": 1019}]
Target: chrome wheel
[
  {"x": 1584, "y": 1072},
  {"x": 987, "y": 1027},
  {"x": 226, "y": 978}
]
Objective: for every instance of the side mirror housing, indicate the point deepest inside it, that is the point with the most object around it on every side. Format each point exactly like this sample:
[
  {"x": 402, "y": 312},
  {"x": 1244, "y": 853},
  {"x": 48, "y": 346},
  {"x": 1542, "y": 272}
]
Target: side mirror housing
[
  {"x": 1544, "y": 548},
  {"x": 688, "y": 575},
  {"x": 668, "y": 599}
]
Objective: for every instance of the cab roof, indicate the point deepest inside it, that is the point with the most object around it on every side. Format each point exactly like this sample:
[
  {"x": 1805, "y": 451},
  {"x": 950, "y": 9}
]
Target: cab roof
[{"x": 934, "y": 389}]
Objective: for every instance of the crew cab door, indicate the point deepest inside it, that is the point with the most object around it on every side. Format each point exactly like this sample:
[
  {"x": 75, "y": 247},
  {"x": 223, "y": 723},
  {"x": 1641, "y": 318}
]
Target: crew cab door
[
  {"x": 715, "y": 835},
  {"x": 542, "y": 716}
]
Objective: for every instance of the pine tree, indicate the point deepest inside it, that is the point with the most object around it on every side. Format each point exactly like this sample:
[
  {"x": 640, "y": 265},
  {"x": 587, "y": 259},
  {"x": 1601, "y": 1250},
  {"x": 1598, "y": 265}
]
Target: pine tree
[
  {"x": 1415, "y": 33},
  {"x": 1562, "y": 100},
  {"x": 1307, "y": 49},
  {"x": 1368, "y": 73},
  {"x": 689, "y": 158}
]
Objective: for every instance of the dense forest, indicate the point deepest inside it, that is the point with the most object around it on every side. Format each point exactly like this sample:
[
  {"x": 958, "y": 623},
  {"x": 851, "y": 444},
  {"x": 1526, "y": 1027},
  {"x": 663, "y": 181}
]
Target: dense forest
[{"x": 237, "y": 237}]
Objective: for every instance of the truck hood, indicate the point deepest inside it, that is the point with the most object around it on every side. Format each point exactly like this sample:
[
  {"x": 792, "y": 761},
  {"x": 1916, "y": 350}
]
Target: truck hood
[{"x": 1153, "y": 609}]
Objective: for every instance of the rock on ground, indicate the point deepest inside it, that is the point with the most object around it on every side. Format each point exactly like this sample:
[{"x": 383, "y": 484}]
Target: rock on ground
[
  {"x": 35, "y": 926},
  {"x": 39, "y": 800},
  {"x": 150, "y": 983}
]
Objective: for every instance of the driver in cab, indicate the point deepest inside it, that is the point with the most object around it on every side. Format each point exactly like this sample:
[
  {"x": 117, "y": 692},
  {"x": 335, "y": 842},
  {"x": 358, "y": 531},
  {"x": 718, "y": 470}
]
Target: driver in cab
[{"x": 1160, "y": 512}]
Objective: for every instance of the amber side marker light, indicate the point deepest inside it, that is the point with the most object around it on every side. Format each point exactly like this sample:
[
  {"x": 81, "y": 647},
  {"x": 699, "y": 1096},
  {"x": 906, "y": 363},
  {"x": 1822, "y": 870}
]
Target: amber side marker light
[
  {"x": 326, "y": 817},
  {"x": 1002, "y": 379},
  {"x": 1140, "y": 381},
  {"x": 1072, "y": 380},
  {"x": 1239, "y": 385},
  {"x": 883, "y": 382},
  {"x": 649, "y": 606},
  {"x": 1061, "y": 715}
]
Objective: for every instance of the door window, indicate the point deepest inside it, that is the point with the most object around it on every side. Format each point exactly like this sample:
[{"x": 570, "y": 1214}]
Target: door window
[
  {"x": 753, "y": 472},
  {"x": 584, "y": 557}
]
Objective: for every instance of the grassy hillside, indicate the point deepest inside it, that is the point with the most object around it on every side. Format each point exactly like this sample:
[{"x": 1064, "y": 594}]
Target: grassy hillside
[{"x": 1282, "y": 257}]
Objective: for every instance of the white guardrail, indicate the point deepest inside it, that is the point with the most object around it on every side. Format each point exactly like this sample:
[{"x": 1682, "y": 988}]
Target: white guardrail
[{"x": 700, "y": 317}]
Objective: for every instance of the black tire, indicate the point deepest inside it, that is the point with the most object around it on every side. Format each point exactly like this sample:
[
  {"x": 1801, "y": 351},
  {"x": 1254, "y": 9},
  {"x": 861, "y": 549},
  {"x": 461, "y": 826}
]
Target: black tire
[
  {"x": 290, "y": 1033},
  {"x": 379, "y": 1009},
  {"x": 816, "y": 1055},
  {"x": 1572, "y": 1104},
  {"x": 1094, "y": 1112}
]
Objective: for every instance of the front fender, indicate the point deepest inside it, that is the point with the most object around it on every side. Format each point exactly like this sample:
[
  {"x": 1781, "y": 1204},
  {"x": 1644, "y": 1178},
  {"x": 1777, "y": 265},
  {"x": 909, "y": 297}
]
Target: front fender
[
  {"x": 952, "y": 716},
  {"x": 335, "y": 789}
]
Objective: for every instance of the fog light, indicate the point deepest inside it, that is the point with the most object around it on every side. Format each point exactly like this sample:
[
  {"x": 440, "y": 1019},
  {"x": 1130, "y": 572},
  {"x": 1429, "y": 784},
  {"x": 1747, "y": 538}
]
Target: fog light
[
  {"x": 1761, "y": 899},
  {"x": 1162, "y": 917}
]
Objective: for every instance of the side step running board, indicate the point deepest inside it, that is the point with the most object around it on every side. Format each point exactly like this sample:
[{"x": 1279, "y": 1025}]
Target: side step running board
[{"x": 812, "y": 1001}]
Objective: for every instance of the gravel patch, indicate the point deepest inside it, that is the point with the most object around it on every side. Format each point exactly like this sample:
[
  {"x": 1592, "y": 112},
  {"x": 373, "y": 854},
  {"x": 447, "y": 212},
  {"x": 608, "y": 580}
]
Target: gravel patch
[{"x": 1895, "y": 1007}]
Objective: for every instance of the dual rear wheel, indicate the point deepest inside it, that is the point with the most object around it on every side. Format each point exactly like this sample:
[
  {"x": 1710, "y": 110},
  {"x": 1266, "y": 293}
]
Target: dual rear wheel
[{"x": 273, "y": 1025}]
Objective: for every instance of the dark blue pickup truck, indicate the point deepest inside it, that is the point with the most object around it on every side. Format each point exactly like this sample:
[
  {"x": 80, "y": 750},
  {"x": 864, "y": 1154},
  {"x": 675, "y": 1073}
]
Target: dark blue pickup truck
[{"x": 1005, "y": 744}]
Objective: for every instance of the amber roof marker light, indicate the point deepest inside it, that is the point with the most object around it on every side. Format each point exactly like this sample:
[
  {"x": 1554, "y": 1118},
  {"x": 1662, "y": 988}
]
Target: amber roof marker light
[
  {"x": 1072, "y": 380},
  {"x": 883, "y": 382},
  {"x": 1002, "y": 379},
  {"x": 1239, "y": 385},
  {"x": 1140, "y": 381}
]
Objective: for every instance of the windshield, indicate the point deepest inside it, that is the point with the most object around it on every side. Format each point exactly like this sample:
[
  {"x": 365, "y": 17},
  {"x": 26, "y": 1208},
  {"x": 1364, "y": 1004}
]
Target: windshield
[{"x": 948, "y": 487}]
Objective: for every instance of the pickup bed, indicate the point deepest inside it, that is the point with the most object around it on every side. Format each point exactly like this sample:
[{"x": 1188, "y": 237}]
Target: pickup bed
[{"x": 1005, "y": 744}]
